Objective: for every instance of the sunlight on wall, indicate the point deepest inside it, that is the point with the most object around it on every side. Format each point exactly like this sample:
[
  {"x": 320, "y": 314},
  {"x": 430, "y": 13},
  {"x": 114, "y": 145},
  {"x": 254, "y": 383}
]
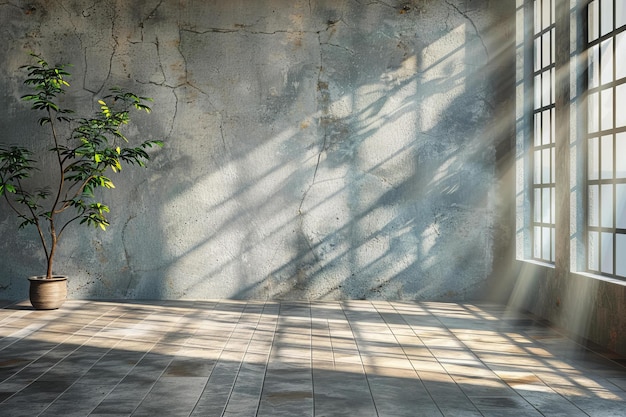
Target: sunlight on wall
[
  {"x": 327, "y": 150},
  {"x": 445, "y": 64}
]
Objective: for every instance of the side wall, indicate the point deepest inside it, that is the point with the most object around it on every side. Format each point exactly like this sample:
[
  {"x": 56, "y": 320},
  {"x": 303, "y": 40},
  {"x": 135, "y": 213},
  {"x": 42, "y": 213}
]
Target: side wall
[
  {"x": 314, "y": 149},
  {"x": 586, "y": 307}
]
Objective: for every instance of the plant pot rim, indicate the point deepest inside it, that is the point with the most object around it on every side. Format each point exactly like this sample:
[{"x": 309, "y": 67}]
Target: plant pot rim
[{"x": 43, "y": 278}]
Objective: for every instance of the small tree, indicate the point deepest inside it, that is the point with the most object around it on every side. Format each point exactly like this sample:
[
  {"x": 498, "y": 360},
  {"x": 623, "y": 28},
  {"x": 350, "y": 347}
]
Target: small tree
[{"x": 84, "y": 149}]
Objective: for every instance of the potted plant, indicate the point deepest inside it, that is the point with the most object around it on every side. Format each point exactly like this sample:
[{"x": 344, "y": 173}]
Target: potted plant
[{"x": 84, "y": 150}]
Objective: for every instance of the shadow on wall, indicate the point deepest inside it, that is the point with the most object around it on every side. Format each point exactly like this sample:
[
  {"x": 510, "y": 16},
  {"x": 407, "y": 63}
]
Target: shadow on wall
[
  {"x": 367, "y": 174},
  {"x": 324, "y": 152}
]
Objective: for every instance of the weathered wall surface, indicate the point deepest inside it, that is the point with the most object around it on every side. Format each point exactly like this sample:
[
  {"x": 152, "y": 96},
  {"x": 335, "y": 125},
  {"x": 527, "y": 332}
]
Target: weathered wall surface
[{"x": 314, "y": 149}]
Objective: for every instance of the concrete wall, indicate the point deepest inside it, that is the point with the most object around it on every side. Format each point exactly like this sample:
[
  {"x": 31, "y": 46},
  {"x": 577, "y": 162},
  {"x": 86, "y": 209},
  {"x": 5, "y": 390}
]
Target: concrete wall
[{"x": 314, "y": 149}]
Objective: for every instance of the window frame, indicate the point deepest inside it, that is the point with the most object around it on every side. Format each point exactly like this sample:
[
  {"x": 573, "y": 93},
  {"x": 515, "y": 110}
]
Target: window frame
[
  {"x": 540, "y": 221},
  {"x": 596, "y": 137}
]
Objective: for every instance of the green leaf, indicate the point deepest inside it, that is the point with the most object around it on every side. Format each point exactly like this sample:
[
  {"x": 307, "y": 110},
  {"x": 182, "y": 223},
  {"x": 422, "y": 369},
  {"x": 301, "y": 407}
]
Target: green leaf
[{"x": 92, "y": 148}]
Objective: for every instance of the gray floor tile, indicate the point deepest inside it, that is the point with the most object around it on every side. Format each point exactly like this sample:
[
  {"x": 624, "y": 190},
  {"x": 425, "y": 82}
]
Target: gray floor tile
[{"x": 354, "y": 358}]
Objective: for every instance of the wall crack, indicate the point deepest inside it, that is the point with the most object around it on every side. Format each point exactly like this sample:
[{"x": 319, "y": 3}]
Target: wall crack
[
  {"x": 322, "y": 88},
  {"x": 469, "y": 19}
]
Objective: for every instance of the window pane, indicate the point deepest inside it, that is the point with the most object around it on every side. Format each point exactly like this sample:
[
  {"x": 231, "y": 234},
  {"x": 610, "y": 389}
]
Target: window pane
[
  {"x": 546, "y": 129},
  {"x": 553, "y": 165},
  {"x": 545, "y": 242},
  {"x": 620, "y": 207},
  {"x": 606, "y": 157},
  {"x": 594, "y": 205},
  {"x": 553, "y": 245},
  {"x": 606, "y": 15},
  {"x": 552, "y": 126},
  {"x": 620, "y": 56},
  {"x": 537, "y": 168},
  {"x": 620, "y": 104},
  {"x": 593, "y": 22},
  {"x": 537, "y": 138},
  {"x": 620, "y": 13},
  {"x": 606, "y": 61},
  {"x": 545, "y": 14},
  {"x": 606, "y": 203},
  {"x": 607, "y": 109},
  {"x": 546, "y": 90},
  {"x": 552, "y": 85},
  {"x": 620, "y": 249},
  {"x": 606, "y": 261},
  {"x": 593, "y": 151},
  {"x": 594, "y": 251},
  {"x": 537, "y": 14},
  {"x": 546, "y": 208},
  {"x": 537, "y": 87},
  {"x": 537, "y": 54},
  {"x": 594, "y": 66},
  {"x": 546, "y": 169},
  {"x": 545, "y": 49},
  {"x": 553, "y": 48},
  {"x": 620, "y": 161},
  {"x": 552, "y": 205},
  {"x": 537, "y": 202},
  {"x": 594, "y": 112}
]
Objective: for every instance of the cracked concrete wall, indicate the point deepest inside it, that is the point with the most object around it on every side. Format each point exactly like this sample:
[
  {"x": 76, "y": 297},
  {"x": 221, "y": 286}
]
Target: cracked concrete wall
[{"x": 315, "y": 149}]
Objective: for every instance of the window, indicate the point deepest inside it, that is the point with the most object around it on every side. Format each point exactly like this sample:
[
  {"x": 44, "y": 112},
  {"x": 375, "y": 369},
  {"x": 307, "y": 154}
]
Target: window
[
  {"x": 606, "y": 138},
  {"x": 543, "y": 132},
  {"x": 590, "y": 133}
]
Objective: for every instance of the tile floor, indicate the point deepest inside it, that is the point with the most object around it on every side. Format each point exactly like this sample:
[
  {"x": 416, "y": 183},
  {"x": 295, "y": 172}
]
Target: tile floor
[{"x": 353, "y": 358}]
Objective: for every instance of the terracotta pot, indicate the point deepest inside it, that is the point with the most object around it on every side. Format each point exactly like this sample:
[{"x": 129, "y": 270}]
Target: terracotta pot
[{"x": 48, "y": 294}]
